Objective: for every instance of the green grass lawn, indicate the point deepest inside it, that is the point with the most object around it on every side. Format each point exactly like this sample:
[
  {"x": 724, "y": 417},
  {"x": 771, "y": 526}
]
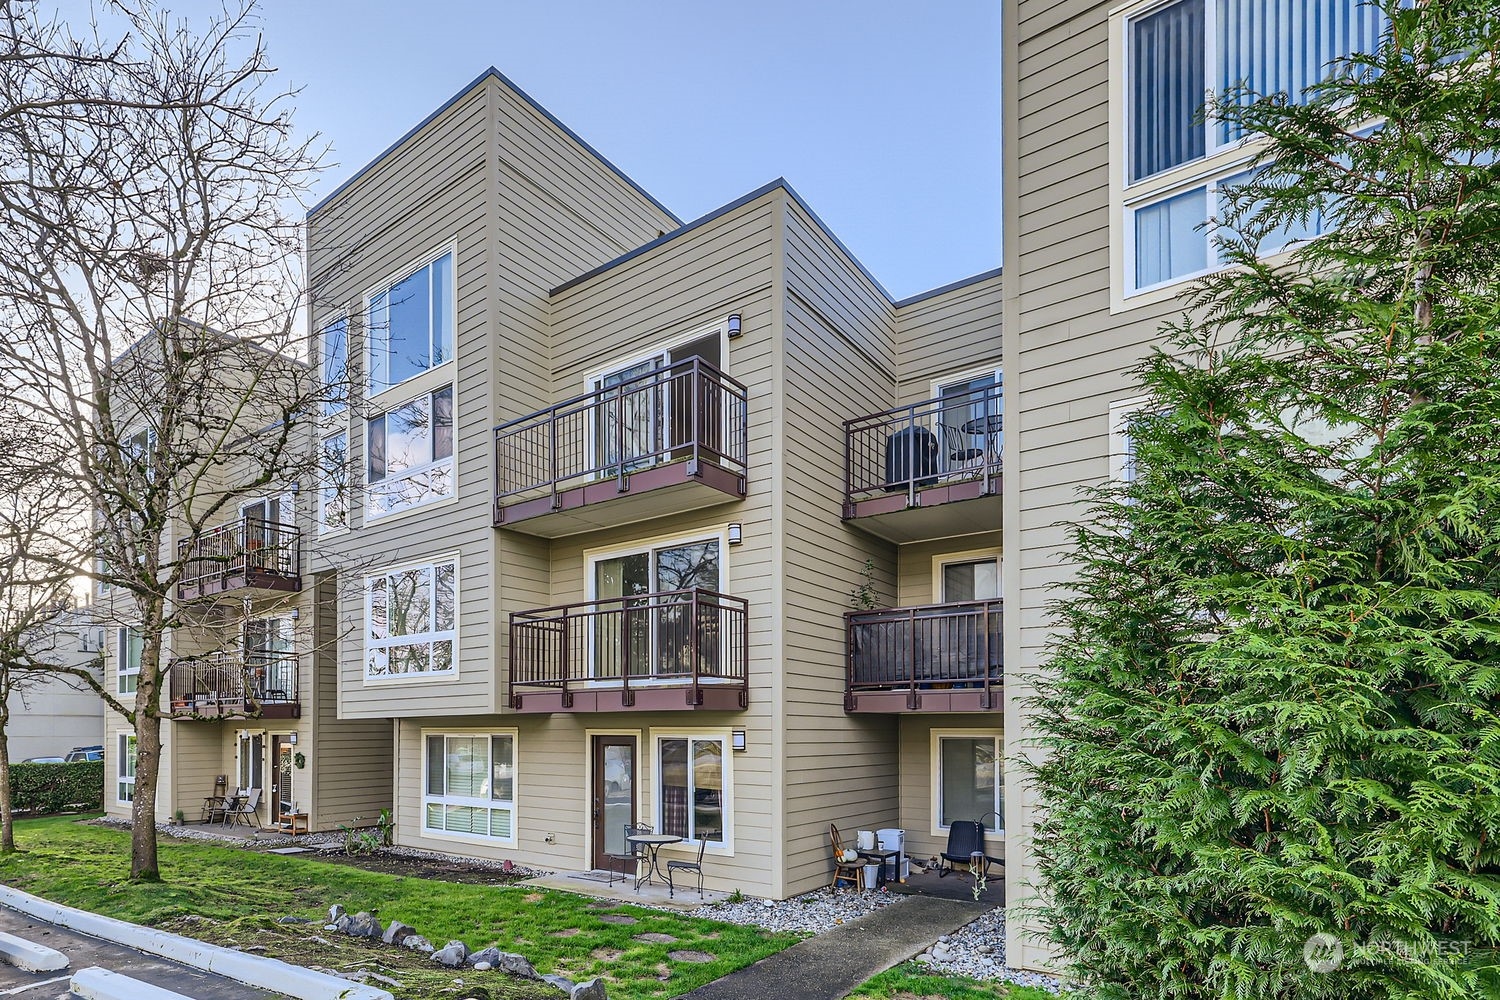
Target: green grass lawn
[
  {"x": 911, "y": 981},
  {"x": 233, "y": 896}
]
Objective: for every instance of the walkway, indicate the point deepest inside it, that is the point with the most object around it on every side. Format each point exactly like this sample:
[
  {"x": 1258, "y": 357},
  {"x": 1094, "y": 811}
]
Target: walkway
[{"x": 828, "y": 966}]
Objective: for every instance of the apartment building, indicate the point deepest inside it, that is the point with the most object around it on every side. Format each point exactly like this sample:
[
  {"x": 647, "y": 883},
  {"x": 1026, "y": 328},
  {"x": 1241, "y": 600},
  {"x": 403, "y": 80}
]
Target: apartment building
[
  {"x": 1110, "y": 174},
  {"x": 49, "y": 716}
]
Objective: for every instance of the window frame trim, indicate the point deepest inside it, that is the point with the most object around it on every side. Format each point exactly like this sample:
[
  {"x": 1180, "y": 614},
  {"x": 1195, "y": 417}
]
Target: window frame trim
[
  {"x": 321, "y": 505},
  {"x": 426, "y": 676},
  {"x": 515, "y": 801},
  {"x": 372, "y": 292},
  {"x": 123, "y": 743},
  {"x": 452, "y": 460},
  {"x": 654, "y": 737},
  {"x": 944, "y": 559},
  {"x": 342, "y": 315},
  {"x": 935, "y": 776},
  {"x": 122, "y": 634}
]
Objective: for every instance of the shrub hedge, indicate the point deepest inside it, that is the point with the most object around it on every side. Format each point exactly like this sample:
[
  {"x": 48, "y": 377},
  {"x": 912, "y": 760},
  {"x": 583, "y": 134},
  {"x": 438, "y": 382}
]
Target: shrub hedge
[{"x": 50, "y": 788}]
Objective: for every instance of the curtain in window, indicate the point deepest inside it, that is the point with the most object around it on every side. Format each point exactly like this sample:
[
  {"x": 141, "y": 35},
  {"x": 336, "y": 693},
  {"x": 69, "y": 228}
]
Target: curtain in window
[
  {"x": 1168, "y": 242},
  {"x": 1286, "y": 46},
  {"x": 1167, "y": 88}
]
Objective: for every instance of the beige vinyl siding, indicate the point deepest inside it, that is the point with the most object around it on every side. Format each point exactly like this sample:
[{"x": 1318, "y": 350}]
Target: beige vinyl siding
[
  {"x": 945, "y": 334},
  {"x": 1068, "y": 354},
  {"x": 923, "y": 838},
  {"x": 915, "y": 584},
  {"x": 838, "y": 362}
]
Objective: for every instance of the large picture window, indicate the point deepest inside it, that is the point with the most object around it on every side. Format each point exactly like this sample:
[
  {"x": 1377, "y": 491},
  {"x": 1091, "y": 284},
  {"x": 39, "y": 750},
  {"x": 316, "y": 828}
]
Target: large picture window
[
  {"x": 644, "y": 636},
  {"x": 129, "y": 646},
  {"x": 969, "y": 783},
  {"x": 470, "y": 785},
  {"x": 125, "y": 769},
  {"x": 409, "y": 454},
  {"x": 411, "y": 615},
  {"x": 692, "y": 794},
  {"x": 410, "y": 325}
]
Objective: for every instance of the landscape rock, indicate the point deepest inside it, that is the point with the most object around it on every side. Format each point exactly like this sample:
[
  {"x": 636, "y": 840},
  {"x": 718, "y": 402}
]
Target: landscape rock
[
  {"x": 593, "y": 989},
  {"x": 561, "y": 982},
  {"x": 363, "y": 925},
  {"x": 516, "y": 965},
  {"x": 695, "y": 957},
  {"x": 334, "y": 912},
  {"x": 397, "y": 932},
  {"x": 342, "y": 923},
  {"x": 451, "y": 954},
  {"x": 491, "y": 956},
  {"x": 416, "y": 942},
  {"x": 315, "y": 939},
  {"x": 294, "y": 920},
  {"x": 330, "y": 927},
  {"x": 482, "y": 967}
]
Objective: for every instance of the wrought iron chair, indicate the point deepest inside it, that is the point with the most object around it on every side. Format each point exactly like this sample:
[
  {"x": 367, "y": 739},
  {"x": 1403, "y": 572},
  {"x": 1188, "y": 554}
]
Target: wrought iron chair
[
  {"x": 688, "y": 866},
  {"x": 631, "y": 854},
  {"x": 852, "y": 871}
]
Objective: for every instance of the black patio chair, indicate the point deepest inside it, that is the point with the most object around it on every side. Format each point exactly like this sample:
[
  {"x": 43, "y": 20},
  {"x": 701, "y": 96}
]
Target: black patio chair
[
  {"x": 631, "y": 854},
  {"x": 688, "y": 866},
  {"x": 965, "y": 843}
]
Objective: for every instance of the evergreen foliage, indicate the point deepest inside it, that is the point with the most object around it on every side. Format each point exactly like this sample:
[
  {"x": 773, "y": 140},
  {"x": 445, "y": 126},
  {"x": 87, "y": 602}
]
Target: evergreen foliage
[{"x": 1271, "y": 712}]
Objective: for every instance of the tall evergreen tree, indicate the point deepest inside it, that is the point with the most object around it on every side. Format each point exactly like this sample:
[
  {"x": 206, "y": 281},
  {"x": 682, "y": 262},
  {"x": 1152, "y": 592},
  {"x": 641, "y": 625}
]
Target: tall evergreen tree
[{"x": 1270, "y": 718}]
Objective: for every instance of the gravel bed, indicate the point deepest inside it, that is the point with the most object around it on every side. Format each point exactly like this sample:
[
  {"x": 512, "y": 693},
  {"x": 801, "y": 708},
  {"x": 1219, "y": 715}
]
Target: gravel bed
[
  {"x": 977, "y": 950},
  {"x": 813, "y": 912}
]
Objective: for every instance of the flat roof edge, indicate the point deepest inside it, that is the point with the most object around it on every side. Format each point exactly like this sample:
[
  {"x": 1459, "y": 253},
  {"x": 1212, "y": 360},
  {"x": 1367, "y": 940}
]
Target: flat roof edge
[{"x": 951, "y": 286}]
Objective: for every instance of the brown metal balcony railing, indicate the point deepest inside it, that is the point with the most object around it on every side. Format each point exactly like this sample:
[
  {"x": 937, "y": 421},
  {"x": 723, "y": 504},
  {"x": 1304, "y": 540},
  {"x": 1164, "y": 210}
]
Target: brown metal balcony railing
[
  {"x": 639, "y": 646},
  {"x": 249, "y": 552},
  {"x": 256, "y": 683},
  {"x": 954, "y": 646},
  {"x": 688, "y": 412},
  {"x": 937, "y": 442}
]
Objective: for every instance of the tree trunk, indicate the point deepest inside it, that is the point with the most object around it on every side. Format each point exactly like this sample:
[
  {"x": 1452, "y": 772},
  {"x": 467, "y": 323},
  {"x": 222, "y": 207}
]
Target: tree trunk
[
  {"x": 143, "y": 865},
  {"x": 7, "y": 819}
]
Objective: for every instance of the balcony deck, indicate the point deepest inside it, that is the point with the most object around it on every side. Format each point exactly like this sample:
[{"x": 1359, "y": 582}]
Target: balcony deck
[
  {"x": 935, "y": 658},
  {"x": 247, "y": 554},
  {"x": 665, "y": 442},
  {"x": 682, "y": 650},
  {"x": 928, "y": 470},
  {"x": 252, "y": 685}
]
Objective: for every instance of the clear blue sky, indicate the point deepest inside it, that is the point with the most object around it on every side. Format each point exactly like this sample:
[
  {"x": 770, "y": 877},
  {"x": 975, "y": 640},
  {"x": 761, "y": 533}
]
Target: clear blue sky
[{"x": 883, "y": 114}]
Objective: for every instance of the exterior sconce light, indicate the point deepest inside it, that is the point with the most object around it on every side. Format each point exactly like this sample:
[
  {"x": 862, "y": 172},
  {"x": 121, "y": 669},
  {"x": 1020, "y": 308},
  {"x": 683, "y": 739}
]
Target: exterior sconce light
[
  {"x": 736, "y": 534},
  {"x": 734, "y": 326},
  {"x": 294, "y": 614},
  {"x": 737, "y": 740}
]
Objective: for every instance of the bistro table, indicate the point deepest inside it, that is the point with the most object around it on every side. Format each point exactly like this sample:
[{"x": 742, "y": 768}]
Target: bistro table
[
  {"x": 214, "y": 807},
  {"x": 653, "y": 843},
  {"x": 992, "y": 424}
]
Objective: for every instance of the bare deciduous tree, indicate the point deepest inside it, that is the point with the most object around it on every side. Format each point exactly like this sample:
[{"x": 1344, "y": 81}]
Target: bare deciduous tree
[{"x": 149, "y": 275}]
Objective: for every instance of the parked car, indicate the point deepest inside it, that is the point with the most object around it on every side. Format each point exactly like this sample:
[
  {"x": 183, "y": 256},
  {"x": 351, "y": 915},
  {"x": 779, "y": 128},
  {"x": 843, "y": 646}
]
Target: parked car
[
  {"x": 43, "y": 760},
  {"x": 95, "y": 752}
]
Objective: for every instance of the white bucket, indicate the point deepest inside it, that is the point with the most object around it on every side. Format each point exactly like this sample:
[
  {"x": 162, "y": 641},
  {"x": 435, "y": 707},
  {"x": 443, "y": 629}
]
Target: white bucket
[
  {"x": 872, "y": 876},
  {"x": 905, "y": 868},
  {"x": 866, "y": 840}
]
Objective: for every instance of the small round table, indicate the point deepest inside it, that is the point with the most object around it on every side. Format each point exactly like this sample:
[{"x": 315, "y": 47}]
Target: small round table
[
  {"x": 991, "y": 424},
  {"x": 653, "y": 843}
]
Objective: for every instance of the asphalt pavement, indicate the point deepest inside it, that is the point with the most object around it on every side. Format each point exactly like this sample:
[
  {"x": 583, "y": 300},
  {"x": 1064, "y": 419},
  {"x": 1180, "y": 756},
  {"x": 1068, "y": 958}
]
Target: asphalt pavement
[{"x": 84, "y": 951}]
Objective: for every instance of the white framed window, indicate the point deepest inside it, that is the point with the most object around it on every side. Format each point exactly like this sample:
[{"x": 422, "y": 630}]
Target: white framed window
[
  {"x": 129, "y": 647},
  {"x": 409, "y": 327},
  {"x": 1173, "y": 167},
  {"x": 411, "y": 613},
  {"x": 333, "y": 348},
  {"x": 409, "y": 454},
  {"x": 694, "y": 788},
  {"x": 1122, "y": 454},
  {"x": 469, "y": 784},
  {"x": 333, "y": 483},
  {"x": 966, "y": 576},
  {"x": 125, "y": 769},
  {"x": 250, "y": 758},
  {"x": 968, "y": 779}
]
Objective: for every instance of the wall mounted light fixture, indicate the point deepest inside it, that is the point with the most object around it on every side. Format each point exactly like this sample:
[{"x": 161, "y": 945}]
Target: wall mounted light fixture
[
  {"x": 737, "y": 739},
  {"x": 734, "y": 326},
  {"x": 736, "y": 533}
]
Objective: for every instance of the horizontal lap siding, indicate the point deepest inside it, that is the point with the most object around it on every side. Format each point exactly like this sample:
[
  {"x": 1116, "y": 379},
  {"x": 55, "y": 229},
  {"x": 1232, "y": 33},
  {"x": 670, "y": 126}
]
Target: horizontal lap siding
[
  {"x": 840, "y": 362},
  {"x": 949, "y": 333},
  {"x": 1072, "y": 358},
  {"x": 914, "y": 565},
  {"x": 918, "y": 799},
  {"x": 694, "y": 281}
]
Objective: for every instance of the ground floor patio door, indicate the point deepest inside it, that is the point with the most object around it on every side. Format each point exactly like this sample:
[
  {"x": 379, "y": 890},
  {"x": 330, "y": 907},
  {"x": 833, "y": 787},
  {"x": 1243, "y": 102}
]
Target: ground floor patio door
[
  {"x": 613, "y": 792},
  {"x": 282, "y": 769}
]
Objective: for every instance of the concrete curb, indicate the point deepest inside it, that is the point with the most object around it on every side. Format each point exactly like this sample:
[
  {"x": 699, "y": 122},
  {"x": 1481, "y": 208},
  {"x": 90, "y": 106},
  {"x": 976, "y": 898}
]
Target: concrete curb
[
  {"x": 29, "y": 956},
  {"x": 95, "y": 983},
  {"x": 252, "y": 970}
]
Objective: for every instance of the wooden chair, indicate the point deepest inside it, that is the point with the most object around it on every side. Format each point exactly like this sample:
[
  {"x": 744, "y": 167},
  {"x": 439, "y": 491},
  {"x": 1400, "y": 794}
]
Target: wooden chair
[
  {"x": 688, "y": 866},
  {"x": 851, "y": 870}
]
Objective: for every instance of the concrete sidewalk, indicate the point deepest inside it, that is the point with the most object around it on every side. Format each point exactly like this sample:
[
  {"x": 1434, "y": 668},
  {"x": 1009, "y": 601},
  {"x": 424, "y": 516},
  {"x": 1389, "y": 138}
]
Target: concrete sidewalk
[{"x": 828, "y": 966}]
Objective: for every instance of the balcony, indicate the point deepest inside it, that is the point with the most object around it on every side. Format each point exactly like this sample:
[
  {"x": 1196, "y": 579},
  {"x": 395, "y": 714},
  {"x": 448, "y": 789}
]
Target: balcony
[
  {"x": 928, "y": 470},
  {"x": 252, "y": 685},
  {"x": 937, "y": 658},
  {"x": 664, "y": 442},
  {"x": 680, "y": 650},
  {"x": 248, "y": 554}
]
